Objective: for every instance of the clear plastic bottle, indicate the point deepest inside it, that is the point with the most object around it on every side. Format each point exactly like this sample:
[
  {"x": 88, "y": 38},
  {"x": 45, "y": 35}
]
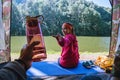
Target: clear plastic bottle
[{"x": 34, "y": 33}]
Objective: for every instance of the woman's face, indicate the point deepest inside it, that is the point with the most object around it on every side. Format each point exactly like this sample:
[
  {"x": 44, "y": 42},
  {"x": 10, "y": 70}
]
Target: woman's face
[{"x": 65, "y": 30}]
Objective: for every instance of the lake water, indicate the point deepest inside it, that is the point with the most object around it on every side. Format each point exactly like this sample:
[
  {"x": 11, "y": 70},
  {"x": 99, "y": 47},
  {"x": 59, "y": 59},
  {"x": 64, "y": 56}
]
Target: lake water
[
  {"x": 86, "y": 44},
  {"x": 94, "y": 44}
]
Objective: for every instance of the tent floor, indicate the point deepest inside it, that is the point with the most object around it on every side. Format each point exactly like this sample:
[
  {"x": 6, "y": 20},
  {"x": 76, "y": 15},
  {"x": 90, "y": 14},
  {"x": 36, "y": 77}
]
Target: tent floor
[{"x": 103, "y": 76}]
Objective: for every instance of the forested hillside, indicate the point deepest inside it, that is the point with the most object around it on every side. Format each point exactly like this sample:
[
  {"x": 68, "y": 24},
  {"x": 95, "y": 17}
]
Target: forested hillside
[{"x": 88, "y": 18}]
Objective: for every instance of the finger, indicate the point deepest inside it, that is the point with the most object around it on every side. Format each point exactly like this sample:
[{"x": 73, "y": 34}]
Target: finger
[
  {"x": 33, "y": 44},
  {"x": 38, "y": 52},
  {"x": 39, "y": 56},
  {"x": 36, "y": 60},
  {"x": 23, "y": 48},
  {"x": 38, "y": 48},
  {"x": 54, "y": 36}
]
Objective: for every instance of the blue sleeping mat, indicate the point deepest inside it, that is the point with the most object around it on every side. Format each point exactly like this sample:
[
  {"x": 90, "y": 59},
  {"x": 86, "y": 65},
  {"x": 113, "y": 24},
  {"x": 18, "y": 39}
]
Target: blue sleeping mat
[{"x": 51, "y": 68}]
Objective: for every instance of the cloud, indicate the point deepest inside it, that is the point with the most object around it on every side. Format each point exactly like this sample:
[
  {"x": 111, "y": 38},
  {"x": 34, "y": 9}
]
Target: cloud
[{"x": 104, "y": 3}]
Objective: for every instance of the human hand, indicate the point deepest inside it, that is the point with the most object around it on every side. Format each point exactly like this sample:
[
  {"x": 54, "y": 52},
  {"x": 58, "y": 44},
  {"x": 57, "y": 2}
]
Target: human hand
[
  {"x": 27, "y": 53},
  {"x": 58, "y": 36}
]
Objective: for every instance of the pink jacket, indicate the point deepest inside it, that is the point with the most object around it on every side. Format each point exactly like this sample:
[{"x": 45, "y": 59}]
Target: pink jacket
[{"x": 70, "y": 54}]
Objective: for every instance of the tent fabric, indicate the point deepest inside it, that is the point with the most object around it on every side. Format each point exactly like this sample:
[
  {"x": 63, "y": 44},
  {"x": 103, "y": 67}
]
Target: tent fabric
[
  {"x": 51, "y": 68},
  {"x": 118, "y": 39},
  {"x": 115, "y": 25},
  {"x": 5, "y": 8},
  {"x": 2, "y": 31}
]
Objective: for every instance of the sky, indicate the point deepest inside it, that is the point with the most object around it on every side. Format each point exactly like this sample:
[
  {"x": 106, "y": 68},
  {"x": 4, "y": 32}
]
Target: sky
[{"x": 104, "y": 3}]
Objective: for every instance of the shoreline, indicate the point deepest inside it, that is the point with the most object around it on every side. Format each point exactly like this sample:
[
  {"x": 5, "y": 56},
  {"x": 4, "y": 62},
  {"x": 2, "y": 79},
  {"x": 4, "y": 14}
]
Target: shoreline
[{"x": 54, "y": 57}]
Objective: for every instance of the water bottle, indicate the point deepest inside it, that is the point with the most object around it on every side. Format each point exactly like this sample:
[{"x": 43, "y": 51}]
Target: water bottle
[{"x": 34, "y": 33}]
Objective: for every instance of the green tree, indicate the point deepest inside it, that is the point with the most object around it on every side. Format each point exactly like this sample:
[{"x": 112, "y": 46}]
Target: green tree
[
  {"x": 16, "y": 22},
  {"x": 88, "y": 19}
]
